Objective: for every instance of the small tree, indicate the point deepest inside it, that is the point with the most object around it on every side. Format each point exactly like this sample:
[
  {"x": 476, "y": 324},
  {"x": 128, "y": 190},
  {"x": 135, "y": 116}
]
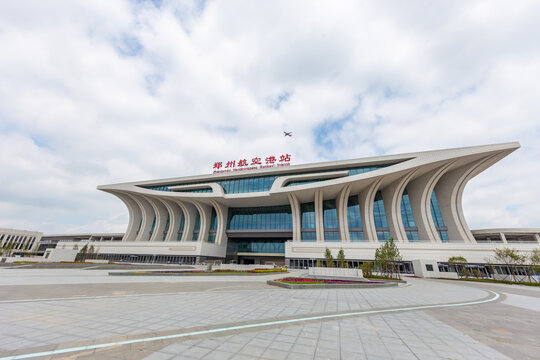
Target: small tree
[
  {"x": 367, "y": 268},
  {"x": 91, "y": 252},
  {"x": 329, "y": 258},
  {"x": 341, "y": 259},
  {"x": 511, "y": 258},
  {"x": 9, "y": 249},
  {"x": 459, "y": 263},
  {"x": 318, "y": 263},
  {"x": 388, "y": 257},
  {"x": 82, "y": 253},
  {"x": 533, "y": 263}
]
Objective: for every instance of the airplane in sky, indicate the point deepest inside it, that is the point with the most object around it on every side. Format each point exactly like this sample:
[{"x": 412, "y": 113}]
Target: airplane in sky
[{"x": 289, "y": 134}]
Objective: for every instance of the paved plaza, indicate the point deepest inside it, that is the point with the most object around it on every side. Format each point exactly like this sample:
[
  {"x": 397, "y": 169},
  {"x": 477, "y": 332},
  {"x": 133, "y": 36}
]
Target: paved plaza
[{"x": 82, "y": 313}]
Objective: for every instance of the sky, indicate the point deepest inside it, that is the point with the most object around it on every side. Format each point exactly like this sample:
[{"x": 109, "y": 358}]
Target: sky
[{"x": 99, "y": 92}]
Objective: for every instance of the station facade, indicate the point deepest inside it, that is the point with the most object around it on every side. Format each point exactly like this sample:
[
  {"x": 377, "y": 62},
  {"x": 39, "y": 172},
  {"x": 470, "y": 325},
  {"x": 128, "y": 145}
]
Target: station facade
[{"x": 291, "y": 214}]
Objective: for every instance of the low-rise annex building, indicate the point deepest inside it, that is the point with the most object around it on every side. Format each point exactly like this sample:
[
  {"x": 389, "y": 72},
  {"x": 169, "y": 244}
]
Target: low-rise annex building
[
  {"x": 291, "y": 214},
  {"x": 19, "y": 241}
]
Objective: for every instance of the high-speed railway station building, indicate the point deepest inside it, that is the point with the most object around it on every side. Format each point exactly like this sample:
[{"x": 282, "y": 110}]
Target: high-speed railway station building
[{"x": 291, "y": 214}]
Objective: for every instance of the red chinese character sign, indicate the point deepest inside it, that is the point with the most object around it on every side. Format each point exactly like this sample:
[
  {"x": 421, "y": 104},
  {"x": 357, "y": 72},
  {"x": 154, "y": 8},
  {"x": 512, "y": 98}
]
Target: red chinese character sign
[{"x": 257, "y": 162}]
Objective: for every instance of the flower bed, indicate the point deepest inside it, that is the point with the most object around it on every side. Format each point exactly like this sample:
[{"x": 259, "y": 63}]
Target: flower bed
[
  {"x": 295, "y": 280},
  {"x": 328, "y": 283},
  {"x": 250, "y": 271}
]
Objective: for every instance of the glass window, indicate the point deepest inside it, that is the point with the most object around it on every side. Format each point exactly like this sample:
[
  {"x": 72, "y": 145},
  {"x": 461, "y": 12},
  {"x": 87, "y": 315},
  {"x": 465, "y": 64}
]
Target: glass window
[
  {"x": 330, "y": 214},
  {"x": 197, "y": 226},
  {"x": 406, "y": 211},
  {"x": 309, "y": 236},
  {"x": 383, "y": 235},
  {"x": 262, "y": 183},
  {"x": 331, "y": 236},
  {"x": 356, "y": 235},
  {"x": 438, "y": 219},
  {"x": 353, "y": 213},
  {"x": 213, "y": 220},
  {"x": 412, "y": 235},
  {"x": 260, "y": 218},
  {"x": 378, "y": 211},
  {"x": 436, "y": 211},
  {"x": 443, "y": 234},
  {"x": 308, "y": 215}
]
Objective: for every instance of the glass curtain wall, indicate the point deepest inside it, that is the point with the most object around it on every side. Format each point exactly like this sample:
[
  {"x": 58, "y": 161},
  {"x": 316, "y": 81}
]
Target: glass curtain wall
[
  {"x": 269, "y": 246},
  {"x": 197, "y": 226},
  {"x": 247, "y": 185},
  {"x": 354, "y": 219},
  {"x": 438, "y": 219},
  {"x": 308, "y": 222},
  {"x": 213, "y": 227},
  {"x": 407, "y": 217},
  {"x": 330, "y": 221},
  {"x": 181, "y": 227},
  {"x": 260, "y": 218},
  {"x": 381, "y": 224},
  {"x": 263, "y": 183}
]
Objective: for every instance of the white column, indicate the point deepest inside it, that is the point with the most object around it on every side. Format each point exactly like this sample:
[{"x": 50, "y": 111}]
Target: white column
[
  {"x": 205, "y": 213},
  {"x": 296, "y": 217},
  {"x": 161, "y": 218},
  {"x": 449, "y": 190},
  {"x": 135, "y": 216},
  {"x": 190, "y": 212},
  {"x": 222, "y": 213},
  {"x": 147, "y": 217},
  {"x": 420, "y": 190},
  {"x": 175, "y": 216},
  {"x": 319, "y": 226}
]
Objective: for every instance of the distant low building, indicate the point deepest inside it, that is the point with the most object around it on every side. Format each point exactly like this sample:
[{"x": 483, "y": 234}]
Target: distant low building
[
  {"x": 19, "y": 241},
  {"x": 51, "y": 241}
]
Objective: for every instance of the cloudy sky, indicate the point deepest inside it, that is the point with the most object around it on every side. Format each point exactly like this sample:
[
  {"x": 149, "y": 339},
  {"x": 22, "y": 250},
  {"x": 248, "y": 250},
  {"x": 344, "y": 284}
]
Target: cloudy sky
[{"x": 98, "y": 92}]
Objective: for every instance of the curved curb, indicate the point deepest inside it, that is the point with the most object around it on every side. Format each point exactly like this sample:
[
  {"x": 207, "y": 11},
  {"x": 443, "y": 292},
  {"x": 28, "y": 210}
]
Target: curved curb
[
  {"x": 333, "y": 286},
  {"x": 247, "y": 326}
]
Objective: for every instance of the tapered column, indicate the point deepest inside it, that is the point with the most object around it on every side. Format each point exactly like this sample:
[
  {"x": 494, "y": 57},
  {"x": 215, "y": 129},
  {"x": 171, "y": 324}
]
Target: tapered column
[
  {"x": 341, "y": 205},
  {"x": 449, "y": 190},
  {"x": 296, "y": 217},
  {"x": 319, "y": 225},
  {"x": 148, "y": 214},
  {"x": 221, "y": 212},
  {"x": 420, "y": 190},
  {"x": 205, "y": 213},
  {"x": 135, "y": 216},
  {"x": 366, "y": 198},
  {"x": 392, "y": 195},
  {"x": 190, "y": 213},
  {"x": 175, "y": 216},
  {"x": 161, "y": 219}
]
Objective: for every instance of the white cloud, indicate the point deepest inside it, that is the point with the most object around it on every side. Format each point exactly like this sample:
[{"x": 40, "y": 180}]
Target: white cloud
[{"x": 101, "y": 92}]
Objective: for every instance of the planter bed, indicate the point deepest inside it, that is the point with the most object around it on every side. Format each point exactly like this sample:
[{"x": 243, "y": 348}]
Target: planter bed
[{"x": 320, "y": 283}]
